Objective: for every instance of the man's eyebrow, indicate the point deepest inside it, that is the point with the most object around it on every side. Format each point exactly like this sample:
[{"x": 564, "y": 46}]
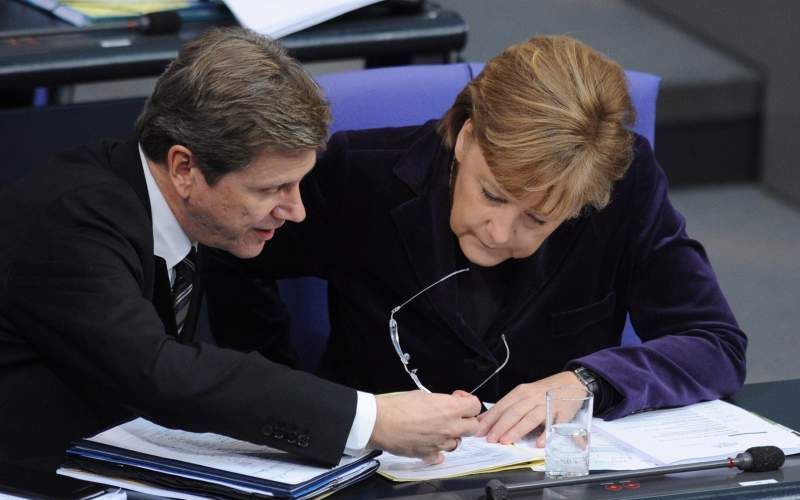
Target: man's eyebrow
[{"x": 280, "y": 184}]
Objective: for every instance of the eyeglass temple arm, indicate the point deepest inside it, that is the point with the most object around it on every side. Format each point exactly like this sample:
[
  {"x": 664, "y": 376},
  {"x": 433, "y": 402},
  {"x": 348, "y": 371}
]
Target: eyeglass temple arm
[
  {"x": 395, "y": 334},
  {"x": 508, "y": 355},
  {"x": 428, "y": 288},
  {"x": 404, "y": 357}
]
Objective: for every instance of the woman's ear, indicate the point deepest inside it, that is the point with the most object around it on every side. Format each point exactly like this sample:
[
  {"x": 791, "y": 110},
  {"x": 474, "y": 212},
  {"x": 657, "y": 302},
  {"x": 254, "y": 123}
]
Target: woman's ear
[{"x": 463, "y": 140}]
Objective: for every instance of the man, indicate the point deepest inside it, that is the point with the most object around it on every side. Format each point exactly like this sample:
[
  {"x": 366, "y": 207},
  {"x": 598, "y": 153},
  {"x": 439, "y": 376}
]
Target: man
[{"x": 98, "y": 281}]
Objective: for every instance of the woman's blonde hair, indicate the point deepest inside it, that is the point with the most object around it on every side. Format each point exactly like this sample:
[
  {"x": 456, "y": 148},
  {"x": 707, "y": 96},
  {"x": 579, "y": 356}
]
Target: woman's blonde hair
[{"x": 550, "y": 115}]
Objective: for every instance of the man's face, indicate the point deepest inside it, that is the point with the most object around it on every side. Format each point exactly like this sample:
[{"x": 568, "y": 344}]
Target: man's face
[
  {"x": 490, "y": 224},
  {"x": 244, "y": 208}
]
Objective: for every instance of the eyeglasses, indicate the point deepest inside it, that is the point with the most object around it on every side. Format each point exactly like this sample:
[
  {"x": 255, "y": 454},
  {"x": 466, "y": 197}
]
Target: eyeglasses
[{"x": 405, "y": 358}]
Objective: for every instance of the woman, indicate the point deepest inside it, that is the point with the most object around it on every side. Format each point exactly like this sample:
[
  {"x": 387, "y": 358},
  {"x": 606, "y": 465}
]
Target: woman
[{"x": 533, "y": 182}]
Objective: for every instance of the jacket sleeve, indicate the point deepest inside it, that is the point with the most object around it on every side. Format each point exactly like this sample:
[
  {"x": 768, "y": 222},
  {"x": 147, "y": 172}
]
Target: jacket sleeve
[
  {"x": 77, "y": 295},
  {"x": 693, "y": 349}
]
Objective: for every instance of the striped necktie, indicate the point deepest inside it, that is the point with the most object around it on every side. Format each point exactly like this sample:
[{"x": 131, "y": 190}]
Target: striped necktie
[{"x": 182, "y": 287}]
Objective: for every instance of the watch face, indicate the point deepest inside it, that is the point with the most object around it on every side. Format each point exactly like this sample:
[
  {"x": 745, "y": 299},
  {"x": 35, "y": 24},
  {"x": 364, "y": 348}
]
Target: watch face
[{"x": 586, "y": 377}]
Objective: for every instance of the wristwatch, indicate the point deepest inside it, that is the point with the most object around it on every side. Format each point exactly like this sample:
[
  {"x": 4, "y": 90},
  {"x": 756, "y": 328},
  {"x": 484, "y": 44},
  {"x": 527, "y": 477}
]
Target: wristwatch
[{"x": 588, "y": 379}]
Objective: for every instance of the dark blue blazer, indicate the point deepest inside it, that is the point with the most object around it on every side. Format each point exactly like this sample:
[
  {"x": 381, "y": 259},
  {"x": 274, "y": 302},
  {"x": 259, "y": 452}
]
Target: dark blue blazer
[{"x": 377, "y": 230}]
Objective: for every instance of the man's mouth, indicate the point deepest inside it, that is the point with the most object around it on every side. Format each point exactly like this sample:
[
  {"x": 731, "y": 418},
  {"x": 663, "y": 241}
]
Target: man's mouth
[{"x": 265, "y": 234}]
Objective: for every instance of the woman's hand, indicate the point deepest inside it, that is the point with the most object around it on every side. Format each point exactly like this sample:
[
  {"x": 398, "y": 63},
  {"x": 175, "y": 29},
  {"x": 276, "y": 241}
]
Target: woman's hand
[{"x": 523, "y": 409}]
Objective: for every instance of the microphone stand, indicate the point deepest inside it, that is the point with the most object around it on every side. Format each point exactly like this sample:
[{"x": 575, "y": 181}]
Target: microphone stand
[{"x": 758, "y": 459}]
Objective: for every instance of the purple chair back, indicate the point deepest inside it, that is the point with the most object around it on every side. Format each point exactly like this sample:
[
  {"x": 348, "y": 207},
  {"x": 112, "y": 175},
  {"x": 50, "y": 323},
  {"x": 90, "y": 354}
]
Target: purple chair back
[
  {"x": 411, "y": 95},
  {"x": 394, "y": 97}
]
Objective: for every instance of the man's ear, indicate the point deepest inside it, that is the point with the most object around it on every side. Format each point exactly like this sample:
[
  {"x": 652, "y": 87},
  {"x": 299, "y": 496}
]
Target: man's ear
[
  {"x": 463, "y": 140},
  {"x": 180, "y": 162}
]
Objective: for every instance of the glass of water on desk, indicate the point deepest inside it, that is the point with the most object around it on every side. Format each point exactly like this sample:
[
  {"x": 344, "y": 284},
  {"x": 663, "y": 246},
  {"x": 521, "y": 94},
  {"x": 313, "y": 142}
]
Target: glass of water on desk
[{"x": 568, "y": 429}]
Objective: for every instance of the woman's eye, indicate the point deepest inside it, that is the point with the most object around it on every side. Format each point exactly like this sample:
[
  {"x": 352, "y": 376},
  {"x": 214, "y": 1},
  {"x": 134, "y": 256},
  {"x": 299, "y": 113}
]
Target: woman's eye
[
  {"x": 535, "y": 219},
  {"x": 489, "y": 196}
]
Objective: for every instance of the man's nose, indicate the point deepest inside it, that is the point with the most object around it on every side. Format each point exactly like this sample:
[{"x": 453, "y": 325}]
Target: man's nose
[{"x": 291, "y": 208}]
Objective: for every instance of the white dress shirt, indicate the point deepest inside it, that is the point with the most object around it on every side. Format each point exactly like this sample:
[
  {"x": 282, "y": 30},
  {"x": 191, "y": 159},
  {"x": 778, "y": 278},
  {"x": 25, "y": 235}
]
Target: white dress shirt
[{"x": 172, "y": 244}]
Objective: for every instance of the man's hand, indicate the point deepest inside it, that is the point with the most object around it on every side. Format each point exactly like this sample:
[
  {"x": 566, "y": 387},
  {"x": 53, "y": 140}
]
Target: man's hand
[
  {"x": 418, "y": 424},
  {"x": 522, "y": 410}
]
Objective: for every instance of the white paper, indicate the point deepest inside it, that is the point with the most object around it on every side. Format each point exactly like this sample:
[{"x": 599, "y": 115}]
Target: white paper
[
  {"x": 211, "y": 450},
  {"x": 704, "y": 431},
  {"x": 604, "y": 453},
  {"x": 278, "y": 18},
  {"x": 127, "y": 484},
  {"x": 474, "y": 454}
]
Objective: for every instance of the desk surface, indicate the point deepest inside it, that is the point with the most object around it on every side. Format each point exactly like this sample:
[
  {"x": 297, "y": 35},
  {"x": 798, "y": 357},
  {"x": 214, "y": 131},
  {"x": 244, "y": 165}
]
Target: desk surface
[
  {"x": 371, "y": 32},
  {"x": 771, "y": 399}
]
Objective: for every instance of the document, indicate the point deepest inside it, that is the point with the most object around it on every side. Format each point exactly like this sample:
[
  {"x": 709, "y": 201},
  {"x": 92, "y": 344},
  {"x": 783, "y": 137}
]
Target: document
[
  {"x": 604, "y": 453},
  {"x": 278, "y": 19},
  {"x": 704, "y": 431},
  {"x": 474, "y": 455},
  {"x": 142, "y": 451}
]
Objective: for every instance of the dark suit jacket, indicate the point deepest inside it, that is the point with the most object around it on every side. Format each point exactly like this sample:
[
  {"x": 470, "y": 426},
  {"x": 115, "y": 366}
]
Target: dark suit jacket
[
  {"x": 377, "y": 230},
  {"x": 84, "y": 340}
]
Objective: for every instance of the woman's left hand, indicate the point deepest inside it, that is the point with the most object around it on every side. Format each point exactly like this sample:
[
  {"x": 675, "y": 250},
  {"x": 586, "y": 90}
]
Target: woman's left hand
[{"x": 522, "y": 410}]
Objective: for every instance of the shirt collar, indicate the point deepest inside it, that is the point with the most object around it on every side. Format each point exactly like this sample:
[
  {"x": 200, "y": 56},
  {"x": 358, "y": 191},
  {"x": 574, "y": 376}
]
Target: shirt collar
[{"x": 169, "y": 240}]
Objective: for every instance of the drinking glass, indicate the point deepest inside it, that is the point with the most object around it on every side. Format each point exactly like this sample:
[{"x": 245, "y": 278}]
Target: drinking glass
[{"x": 568, "y": 430}]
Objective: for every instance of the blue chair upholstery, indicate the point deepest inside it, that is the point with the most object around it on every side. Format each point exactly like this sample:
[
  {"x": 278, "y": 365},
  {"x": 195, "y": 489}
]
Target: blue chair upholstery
[{"x": 407, "y": 95}]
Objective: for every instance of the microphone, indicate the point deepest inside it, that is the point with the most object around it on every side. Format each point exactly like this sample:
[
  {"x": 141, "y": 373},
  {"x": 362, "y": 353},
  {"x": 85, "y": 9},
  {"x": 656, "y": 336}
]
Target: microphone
[
  {"x": 156, "y": 23},
  {"x": 755, "y": 459}
]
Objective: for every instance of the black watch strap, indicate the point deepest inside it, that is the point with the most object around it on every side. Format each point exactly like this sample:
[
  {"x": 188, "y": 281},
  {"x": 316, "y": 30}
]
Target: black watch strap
[{"x": 589, "y": 379}]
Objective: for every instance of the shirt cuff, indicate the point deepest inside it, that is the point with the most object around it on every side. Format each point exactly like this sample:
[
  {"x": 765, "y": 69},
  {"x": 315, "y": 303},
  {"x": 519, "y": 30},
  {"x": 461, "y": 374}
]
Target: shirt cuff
[{"x": 363, "y": 424}]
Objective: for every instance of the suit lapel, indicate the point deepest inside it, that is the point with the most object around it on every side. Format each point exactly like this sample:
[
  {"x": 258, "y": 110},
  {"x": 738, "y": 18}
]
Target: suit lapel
[
  {"x": 536, "y": 274},
  {"x": 125, "y": 160},
  {"x": 424, "y": 229}
]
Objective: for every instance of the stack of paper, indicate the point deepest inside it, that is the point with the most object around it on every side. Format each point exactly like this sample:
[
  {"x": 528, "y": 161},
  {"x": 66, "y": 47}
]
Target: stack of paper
[
  {"x": 473, "y": 456},
  {"x": 86, "y": 12},
  {"x": 140, "y": 455},
  {"x": 704, "y": 431},
  {"x": 278, "y": 19}
]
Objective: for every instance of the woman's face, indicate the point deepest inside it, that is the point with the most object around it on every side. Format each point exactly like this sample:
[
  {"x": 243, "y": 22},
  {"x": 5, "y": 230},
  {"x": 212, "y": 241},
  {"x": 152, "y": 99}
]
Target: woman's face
[{"x": 490, "y": 224}]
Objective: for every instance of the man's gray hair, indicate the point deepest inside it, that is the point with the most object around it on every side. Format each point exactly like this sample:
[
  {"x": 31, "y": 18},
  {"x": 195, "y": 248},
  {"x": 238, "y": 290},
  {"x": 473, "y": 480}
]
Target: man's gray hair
[{"x": 230, "y": 95}]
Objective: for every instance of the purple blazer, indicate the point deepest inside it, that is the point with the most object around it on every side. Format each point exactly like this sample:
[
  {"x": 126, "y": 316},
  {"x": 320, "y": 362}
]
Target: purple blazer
[{"x": 377, "y": 230}]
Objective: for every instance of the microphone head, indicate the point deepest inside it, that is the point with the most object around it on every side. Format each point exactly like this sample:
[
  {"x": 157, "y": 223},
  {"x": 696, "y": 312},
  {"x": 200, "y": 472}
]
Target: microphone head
[
  {"x": 764, "y": 458},
  {"x": 160, "y": 23}
]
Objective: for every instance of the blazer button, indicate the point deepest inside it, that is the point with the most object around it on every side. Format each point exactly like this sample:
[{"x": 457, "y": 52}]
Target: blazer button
[
  {"x": 291, "y": 438},
  {"x": 267, "y": 430},
  {"x": 303, "y": 440},
  {"x": 278, "y": 434}
]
